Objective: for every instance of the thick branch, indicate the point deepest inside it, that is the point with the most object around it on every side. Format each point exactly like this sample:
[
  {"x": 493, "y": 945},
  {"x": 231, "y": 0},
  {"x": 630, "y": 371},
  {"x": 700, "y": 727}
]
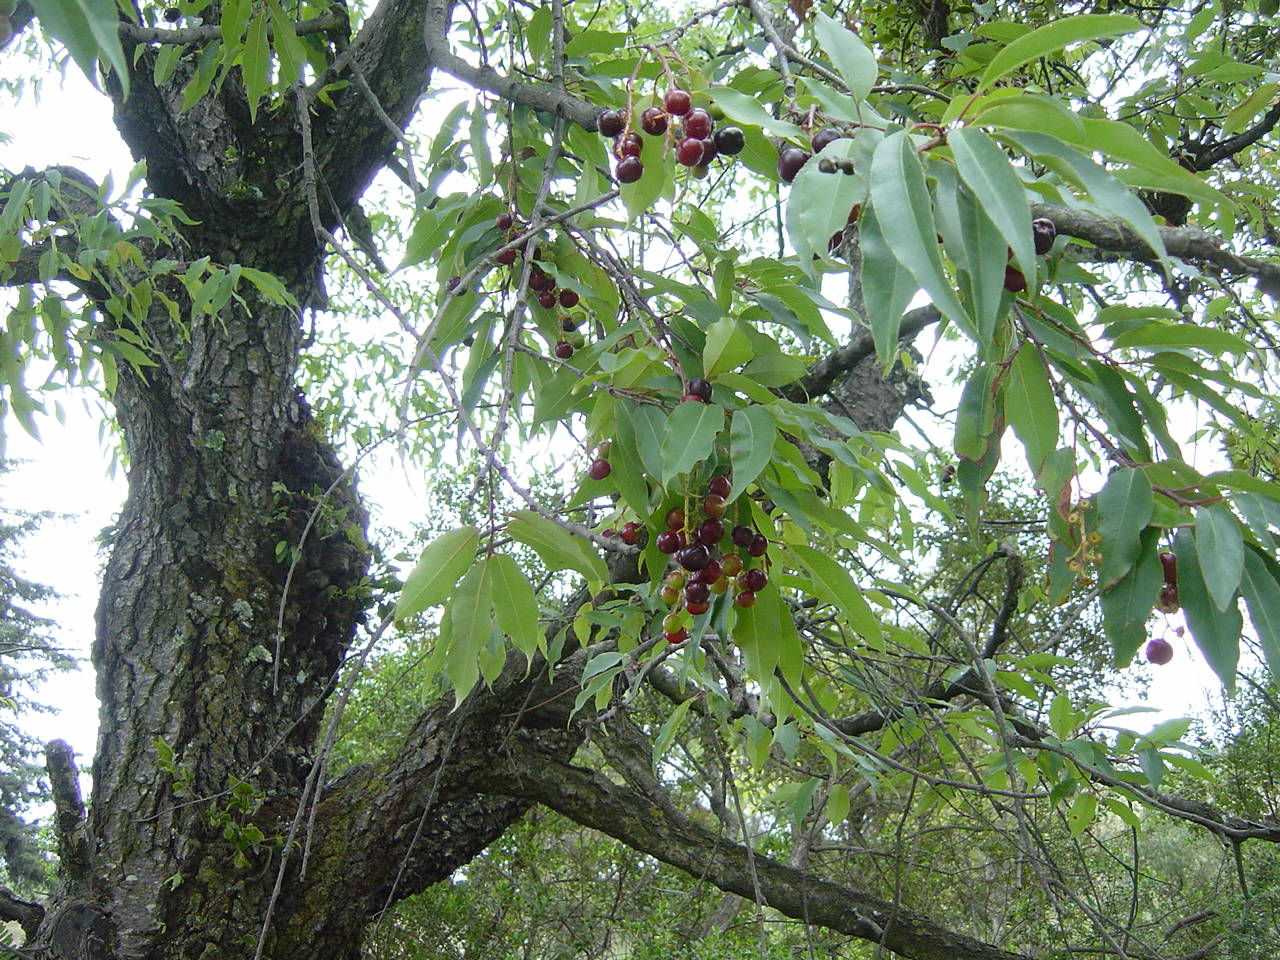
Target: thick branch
[
  {"x": 655, "y": 826},
  {"x": 69, "y": 814},
  {"x": 1215, "y": 153},
  {"x": 1185, "y": 243},
  {"x": 27, "y": 913},
  {"x": 186, "y": 35}
]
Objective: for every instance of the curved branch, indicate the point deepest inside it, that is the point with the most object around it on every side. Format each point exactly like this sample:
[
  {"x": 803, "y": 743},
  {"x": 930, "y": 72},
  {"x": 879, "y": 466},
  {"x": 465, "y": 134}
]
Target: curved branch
[{"x": 655, "y": 826}]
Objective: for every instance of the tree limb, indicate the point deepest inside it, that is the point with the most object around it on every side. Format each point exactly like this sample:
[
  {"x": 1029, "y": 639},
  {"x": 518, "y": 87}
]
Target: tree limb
[{"x": 27, "y": 913}]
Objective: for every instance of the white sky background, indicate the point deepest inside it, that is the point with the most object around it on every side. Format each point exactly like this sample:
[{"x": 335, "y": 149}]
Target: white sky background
[{"x": 67, "y": 472}]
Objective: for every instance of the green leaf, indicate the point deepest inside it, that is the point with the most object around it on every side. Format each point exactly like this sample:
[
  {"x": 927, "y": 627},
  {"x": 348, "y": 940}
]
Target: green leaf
[
  {"x": 89, "y": 29},
  {"x": 1030, "y": 408},
  {"x": 818, "y": 203},
  {"x": 744, "y": 109},
  {"x": 766, "y": 634},
  {"x": 1262, "y": 596},
  {"x": 1152, "y": 766},
  {"x": 558, "y": 548},
  {"x": 855, "y": 63},
  {"x": 690, "y": 437},
  {"x": 470, "y": 625},
  {"x": 1220, "y": 546},
  {"x": 1062, "y": 719},
  {"x": 905, "y": 213},
  {"x": 1126, "y": 606},
  {"x": 1216, "y": 632},
  {"x": 727, "y": 347},
  {"x": 887, "y": 287},
  {"x": 1125, "y": 505},
  {"x": 255, "y": 65},
  {"x": 289, "y": 49},
  {"x": 649, "y": 425},
  {"x": 831, "y": 582},
  {"x": 438, "y": 569},
  {"x": 670, "y": 727},
  {"x": 751, "y": 435},
  {"x": 986, "y": 170},
  {"x": 1053, "y": 37},
  {"x": 1182, "y": 336},
  {"x": 975, "y": 417},
  {"x": 1244, "y": 112},
  {"x": 837, "y": 804},
  {"x": 517, "y": 609},
  {"x": 975, "y": 246},
  {"x": 628, "y": 467},
  {"x": 1083, "y": 809}
]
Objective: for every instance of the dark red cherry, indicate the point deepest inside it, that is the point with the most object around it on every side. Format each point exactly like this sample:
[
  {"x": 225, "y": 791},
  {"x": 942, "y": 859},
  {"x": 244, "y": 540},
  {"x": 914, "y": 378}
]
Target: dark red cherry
[
  {"x": 569, "y": 298},
  {"x": 790, "y": 160},
  {"x": 506, "y": 257},
  {"x": 675, "y": 518},
  {"x": 631, "y": 533},
  {"x": 698, "y": 607},
  {"x": 629, "y": 170},
  {"x": 753, "y": 580},
  {"x": 547, "y": 299},
  {"x": 758, "y": 546},
  {"x": 697, "y": 591},
  {"x": 711, "y": 532},
  {"x": 700, "y": 388},
  {"x": 654, "y": 121},
  {"x": 568, "y": 324},
  {"x": 564, "y": 350},
  {"x": 712, "y": 572},
  {"x": 697, "y": 124},
  {"x": 825, "y": 137},
  {"x": 745, "y": 598},
  {"x": 630, "y": 145},
  {"x": 1014, "y": 281},
  {"x": 677, "y": 637},
  {"x": 1169, "y": 563},
  {"x": 709, "y": 150},
  {"x": 742, "y": 536},
  {"x": 1159, "y": 651},
  {"x": 611, "y": 123},
  {"x": 714, "y": 506},
  {"x": 689, "y": 152},
  {"x": 694, "y": 557},
  {"x": 668, "y": 542},
  {"x": 599, "y": 469},
  {"x": 504, "y": 221},
  {"x": 1043, "y": 233},
  {"x": 720, "y": 486},
  {"x": 677, "y": 102}
]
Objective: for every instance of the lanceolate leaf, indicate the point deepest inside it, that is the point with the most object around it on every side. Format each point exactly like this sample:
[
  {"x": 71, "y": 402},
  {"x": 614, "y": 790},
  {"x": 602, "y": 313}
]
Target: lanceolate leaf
[
  {"x": 441, "y": 564},
  {"x": 516, "y": 607},
  {"x": 887, "y": 287},
  {"x": 1262, "y": 596},
  {"x": 90, "y": 30},
  {"x": 988, "y": 173},
  {"x": 690, "y": 437},
  {"x": 832, "y": 583},
  {"x": 1052, "y": 38},
  {"x": 1216, "y": 632},
  {"x": 1221, "y": 549},
  {"x": 1125, "y": 505},
  {"x": 628, "y": 467},
  {"x": 1126, "y": 606},
  {"x": 649, "y": 424},
  {"x": 853, "y": 60},
  {"x": 558, "y": 548},
  {"x": 471, "y": 623},
  {"x": 905, "y": 212},
  {"x": 975, "y": 419},
  {"x": 1030, "y": 408},
  {"x": 751, "y": 436}
]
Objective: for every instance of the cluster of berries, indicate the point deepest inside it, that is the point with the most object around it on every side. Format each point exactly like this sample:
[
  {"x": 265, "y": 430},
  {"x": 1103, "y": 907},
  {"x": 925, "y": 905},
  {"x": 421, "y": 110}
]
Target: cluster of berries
[
  {"x": 703, "y": 568},
  {"x": 697, "y": 141}
]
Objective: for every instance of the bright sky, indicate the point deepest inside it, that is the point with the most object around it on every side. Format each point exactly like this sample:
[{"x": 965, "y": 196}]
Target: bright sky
[{"x": 67, "y": 472}]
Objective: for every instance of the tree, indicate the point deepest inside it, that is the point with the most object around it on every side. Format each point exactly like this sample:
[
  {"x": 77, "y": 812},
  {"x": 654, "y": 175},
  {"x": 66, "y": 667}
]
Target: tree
[{"x": 1081, "y": 237}]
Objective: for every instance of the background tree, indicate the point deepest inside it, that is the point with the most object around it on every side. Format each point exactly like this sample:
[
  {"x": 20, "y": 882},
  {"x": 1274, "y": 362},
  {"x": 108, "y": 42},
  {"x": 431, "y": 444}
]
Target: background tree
[{"x": 855, "y": 732}]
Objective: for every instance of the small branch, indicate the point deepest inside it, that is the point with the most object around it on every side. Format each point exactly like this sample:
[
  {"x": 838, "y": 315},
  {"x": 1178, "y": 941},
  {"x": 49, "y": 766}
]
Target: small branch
[
  {"x": 27, "y": 913},
  {"x": 1214, "y": 153},
  {"x": 69, "y": 815},
  {"x": 186, "y": 35}
]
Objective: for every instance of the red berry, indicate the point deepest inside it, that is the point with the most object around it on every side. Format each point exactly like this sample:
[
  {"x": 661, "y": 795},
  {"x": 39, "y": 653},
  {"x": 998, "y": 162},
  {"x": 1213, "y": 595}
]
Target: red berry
[
  {"x": 540, "y": 281},
  {"x": 691, "y": 398},
  {"x": 745, "y": 599},
  {"x": 754, "y": 580},
  {"x": 790, "y": 160},
  {"x": 711, "y": 532},
  {"x": 696, "y": 591},
  {"x": 742, "y": 536},
  {"x": 697, "y": 124},
  {"x": 547, "y": 299},
  {"x": 714, "y": 506},
  {"x": 697, "y": 608},
  {"x": 677, "y": 102},
  {"x": 730, "y": 141},
  {"x": 689, "y": 152},
  {"x": 720, "y": 486},
  {"x": 599, "y": 469},
  {"x": 709, "y": 151},
  {"x": 668, "y": 542},
  {"x": 569, "y": 298},
  {"x": 694, "y": 557},
  {"x": 506, "y": 257},
  {"x": 1014, "y": 281},
  {"x": 654, "y": 122},
  {"x": 611, "y": 123},
  {"x": 1169, "y": 563},
  {"x": 677, "y": 637},
  {"x": 675, "y": 518},
  {"x": 712, "y": 572},
  {"x": 1168, "y": 602},
  {"x": 1043, "y": 233},
  {"x": 504, "y": 221},
  {"x": 701, "y": 389},
  {"x": 630, "y": 145},
  {"x": 629, "y": 170},
  {"x": 568, "y": 324},
  {"x": 564, "y": 350},
  {"x": 1159, "y": 651},
  {"x": 824, "y": 137},
  {"x": 631, "y": 533},
  {"x": 758, "y": 546}
]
